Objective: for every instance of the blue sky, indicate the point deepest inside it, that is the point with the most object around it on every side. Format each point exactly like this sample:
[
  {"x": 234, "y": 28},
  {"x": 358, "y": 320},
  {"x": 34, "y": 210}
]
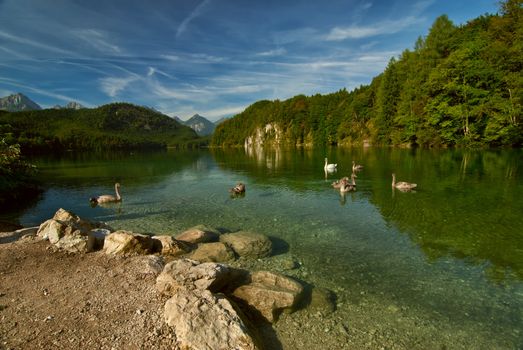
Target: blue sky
[{"x": 212, "y": 57}]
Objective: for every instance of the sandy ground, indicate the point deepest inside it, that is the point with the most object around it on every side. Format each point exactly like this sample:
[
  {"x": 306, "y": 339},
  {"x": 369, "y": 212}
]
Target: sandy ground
[
  {"x": 50, "y": 299},
  {"x": 55, "y": 300}
]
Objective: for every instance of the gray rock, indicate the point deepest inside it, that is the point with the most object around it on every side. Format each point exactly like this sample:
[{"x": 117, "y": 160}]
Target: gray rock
[
  {"x": 270, "y": 293},
  {"x": 248, "y": 244},
  {"x": 213, "y": 252},
  {"x": 149, "y": 264},
  {"x": 205, "y": 321},
  {"x": 96, "y": 239},
  {"x": 198, "y": 234}
]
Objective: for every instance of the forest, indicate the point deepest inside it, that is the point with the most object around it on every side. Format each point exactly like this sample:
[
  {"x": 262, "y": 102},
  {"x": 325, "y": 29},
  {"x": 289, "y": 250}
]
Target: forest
[
  {"x": 112, "y": 126},
  {"x": 460, "y": 86}
]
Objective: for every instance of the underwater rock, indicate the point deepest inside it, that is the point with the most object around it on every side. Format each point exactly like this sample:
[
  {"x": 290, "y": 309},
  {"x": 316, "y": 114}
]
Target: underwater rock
[{"x": 248, "y": 244}]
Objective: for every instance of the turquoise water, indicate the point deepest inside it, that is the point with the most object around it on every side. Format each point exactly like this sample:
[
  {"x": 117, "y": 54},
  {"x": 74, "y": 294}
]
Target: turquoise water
[{"x": 450, "y": 254}]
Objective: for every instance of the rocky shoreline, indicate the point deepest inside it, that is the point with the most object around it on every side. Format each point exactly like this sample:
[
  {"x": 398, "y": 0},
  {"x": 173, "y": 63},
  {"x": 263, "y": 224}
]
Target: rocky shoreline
[{"x": 207, "y": 302}]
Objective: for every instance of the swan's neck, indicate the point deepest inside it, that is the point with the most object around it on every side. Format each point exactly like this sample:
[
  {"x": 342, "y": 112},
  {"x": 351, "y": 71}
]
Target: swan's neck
[
  {"x": 393, "y": 179},
  {"x": 116, "y": 189}
]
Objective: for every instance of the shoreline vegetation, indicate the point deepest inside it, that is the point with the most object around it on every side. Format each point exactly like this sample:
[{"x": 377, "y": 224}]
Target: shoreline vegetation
[
  {"x": 18, "y": 182},
  {"x": 208, "y": 300},
  {"x": 460, "y": 86}
]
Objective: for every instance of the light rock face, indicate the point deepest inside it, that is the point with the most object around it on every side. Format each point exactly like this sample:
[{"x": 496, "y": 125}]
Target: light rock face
[
  {"x": 128, "y": 243},
  {"x": 168, "y": 245},
  {"x": 205, "y": 321},
  {"x": 69, "y": 232},
  {"x": 213, "y": 252},
  {"x": 198, "y": 234},
  {"x": 190, "y": 274},
  {"x": 270, "y": 293},
  {"x": 248, "y": 244},
  {"x": 270, "y": 134}
]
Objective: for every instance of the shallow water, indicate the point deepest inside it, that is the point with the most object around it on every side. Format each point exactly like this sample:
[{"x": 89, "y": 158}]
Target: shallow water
[{"x": 448, "y": 256}]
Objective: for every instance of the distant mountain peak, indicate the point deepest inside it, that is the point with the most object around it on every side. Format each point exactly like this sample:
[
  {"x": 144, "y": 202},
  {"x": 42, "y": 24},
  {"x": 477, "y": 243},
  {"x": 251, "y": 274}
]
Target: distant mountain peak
[
  {"x": 18, "y": 102},
  {"x": 200, "y": 124},
  {"x": 70, "y": 105}
]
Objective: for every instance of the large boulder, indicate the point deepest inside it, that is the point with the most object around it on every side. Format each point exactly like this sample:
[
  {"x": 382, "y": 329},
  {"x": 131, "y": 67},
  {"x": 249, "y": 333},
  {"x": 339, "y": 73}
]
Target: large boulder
[
  {"x": 128, "y": 243},
  {"x": 190, "y": 274},
  {"x": 213, "y": 252},
  {"x": 52, "y": 230},
  {"x": 198, "y": 234},
  {"x": 168, "y": 245},
  {"x": 68, "y": 231},
  {"x": 270, "y": 293},
  {"x": 248, "y": 244},
  {"x": 204, "y": 321},
  {"x": 71, "y": 219}
]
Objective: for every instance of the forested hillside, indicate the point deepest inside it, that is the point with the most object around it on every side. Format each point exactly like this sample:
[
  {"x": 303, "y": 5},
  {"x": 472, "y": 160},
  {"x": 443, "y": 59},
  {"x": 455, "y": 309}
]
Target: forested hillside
[
  {"x": 112, "y": 126},
  {"x": 458, "y": 86}
]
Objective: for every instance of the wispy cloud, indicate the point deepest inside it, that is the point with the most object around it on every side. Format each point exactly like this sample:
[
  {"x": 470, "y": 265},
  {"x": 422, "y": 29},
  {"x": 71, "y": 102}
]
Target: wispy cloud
[
  {"x": 215, "y": 114},
  {"x": 382, "y": 28},
  {"x": 33, "y": 43},
  {"x": 15, "y": 53},
  {"x": 97, "y": 39},
  {"x": 172, "y": 58},
  {"x": 271, "y": 53},
  {"x": 113, "y": 85},
  {"x": 195, "y": 13},
  {"x": 43, "y": 92},
  {"x": 421, "y": 6}
]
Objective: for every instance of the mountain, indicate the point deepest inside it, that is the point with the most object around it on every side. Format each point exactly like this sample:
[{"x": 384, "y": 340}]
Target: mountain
[
  {"x": 112, "y": 126},
  {"x": 70, "y": 105},
  {"x": 459, "y": 86},
  {"x": 201, "y": 125},
  {"x": 178, "y": 120},
  {"x": 18, "y": 102}
]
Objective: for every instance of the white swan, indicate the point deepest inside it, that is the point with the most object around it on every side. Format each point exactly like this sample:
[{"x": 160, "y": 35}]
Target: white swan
[
  {"x": 106, "y": 198},
  {"x": 329, "y": 167},
  {"x": 403, "y": 186}
]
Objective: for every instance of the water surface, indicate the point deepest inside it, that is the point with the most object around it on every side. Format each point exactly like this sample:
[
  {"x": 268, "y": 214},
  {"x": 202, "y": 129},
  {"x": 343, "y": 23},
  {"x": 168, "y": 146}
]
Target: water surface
[{"x": 444, "y": 263}]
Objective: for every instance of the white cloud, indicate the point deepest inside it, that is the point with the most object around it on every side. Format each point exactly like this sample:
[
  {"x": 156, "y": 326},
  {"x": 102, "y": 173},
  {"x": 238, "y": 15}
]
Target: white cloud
[{"x": 382, "y": 28}]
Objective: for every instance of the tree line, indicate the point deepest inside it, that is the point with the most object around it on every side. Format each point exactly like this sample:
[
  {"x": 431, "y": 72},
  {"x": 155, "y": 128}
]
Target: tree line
[
  {"x": 459, "y": 86},
  {"x": 112, "y": 126}
]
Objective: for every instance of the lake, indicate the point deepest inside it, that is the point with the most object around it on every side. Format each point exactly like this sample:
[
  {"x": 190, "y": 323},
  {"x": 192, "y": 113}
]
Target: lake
[{"x": 441, "y": 267}]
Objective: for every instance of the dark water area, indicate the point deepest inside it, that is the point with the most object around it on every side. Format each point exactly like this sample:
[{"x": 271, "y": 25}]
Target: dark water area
[{"x": 447, "y": 257}]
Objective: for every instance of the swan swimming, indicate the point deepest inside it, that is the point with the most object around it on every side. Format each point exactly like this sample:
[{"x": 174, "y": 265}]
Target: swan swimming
[
  {"x": 107, "y": 198},
  {"x": 329, "y": 167},
  {"x": 356, "y": 167},
  {"x": 238, "y": 189},
  {"x": 401, "y": 185}
]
